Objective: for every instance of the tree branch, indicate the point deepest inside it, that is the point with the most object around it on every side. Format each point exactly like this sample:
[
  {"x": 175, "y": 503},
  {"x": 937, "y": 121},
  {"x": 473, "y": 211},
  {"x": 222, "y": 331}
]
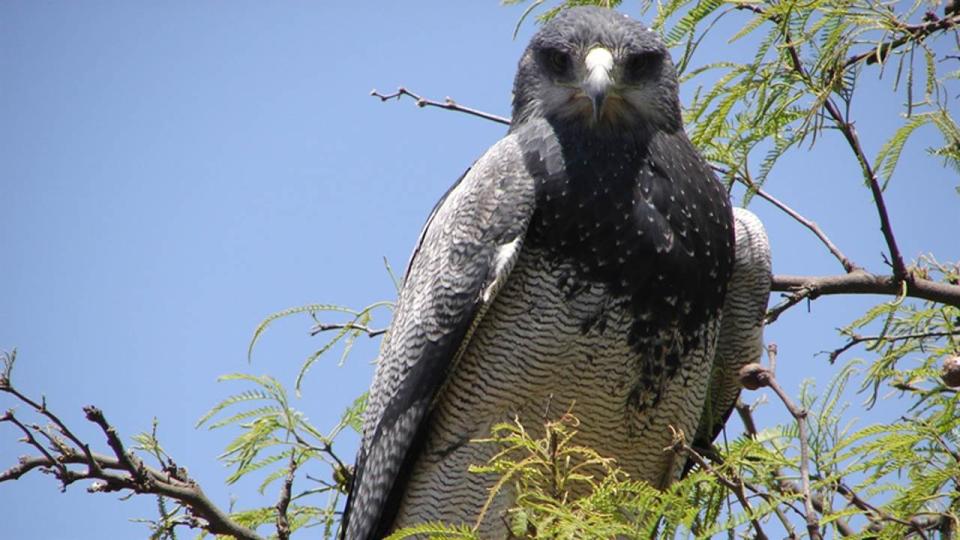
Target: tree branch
[
  {"x": 799, "y": 288},
  {"x": 16, "y": 472},
  {"x": 871, "y": 510},
  {"x": 283, "y": 523},
  {"x": 447, "y": 103},
  {"x": 850, "y": 134},
  {"x": 134, "y": 474},
  {"x": 847, "y": 264},
  {"x": 41, "y": 408},
  {"x": 853, "y": 140},
  {"x": 915, "y": 32}
]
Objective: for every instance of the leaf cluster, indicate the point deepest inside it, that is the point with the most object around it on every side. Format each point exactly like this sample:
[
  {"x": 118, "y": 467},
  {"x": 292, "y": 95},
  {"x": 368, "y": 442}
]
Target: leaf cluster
[{"x": 279, "y": 440}]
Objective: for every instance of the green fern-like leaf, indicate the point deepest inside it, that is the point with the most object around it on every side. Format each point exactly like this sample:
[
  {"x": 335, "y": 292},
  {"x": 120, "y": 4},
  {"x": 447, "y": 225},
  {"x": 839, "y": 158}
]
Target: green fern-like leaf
[
  {"x": 435, "y": 530},
  {"x": 309, "y": 308}
]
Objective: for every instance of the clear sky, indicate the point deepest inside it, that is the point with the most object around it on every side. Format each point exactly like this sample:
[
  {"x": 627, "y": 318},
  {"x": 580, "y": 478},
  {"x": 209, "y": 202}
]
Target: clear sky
[{"x": 171, "y": 173}]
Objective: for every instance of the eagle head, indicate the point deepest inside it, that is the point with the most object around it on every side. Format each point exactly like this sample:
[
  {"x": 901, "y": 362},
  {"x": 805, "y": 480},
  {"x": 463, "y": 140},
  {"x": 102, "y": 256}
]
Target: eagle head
[{"x": 600, "y": 69}]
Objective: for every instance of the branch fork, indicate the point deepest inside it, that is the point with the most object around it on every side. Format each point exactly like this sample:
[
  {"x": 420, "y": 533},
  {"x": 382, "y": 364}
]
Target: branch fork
[{"x": 121, "y": 471}]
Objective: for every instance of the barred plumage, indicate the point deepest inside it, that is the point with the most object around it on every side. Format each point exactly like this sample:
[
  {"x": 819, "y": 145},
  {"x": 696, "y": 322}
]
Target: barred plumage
[{"x": 582, "y": 262}]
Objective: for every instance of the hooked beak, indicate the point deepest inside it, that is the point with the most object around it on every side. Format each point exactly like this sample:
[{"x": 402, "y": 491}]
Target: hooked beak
[{"x": 599, "y": 63}]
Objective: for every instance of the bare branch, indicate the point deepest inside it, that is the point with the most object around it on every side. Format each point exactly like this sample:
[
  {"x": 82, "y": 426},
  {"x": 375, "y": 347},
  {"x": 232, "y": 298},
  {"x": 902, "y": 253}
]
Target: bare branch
[
  {"x": 41, "y": 408},
  {"x": 283, "y": 524},
  {"x": 856, "y": 339},
  {"x": 28, "y": 463},
  {"x": 324, "y": 327},
  {"x": 28, "y": 438},
  {"x": 847, "y": 264},
  {"x": 850, "y": 133},
  {"x": 448, "y": 104},
  {"x": 127, "y": 471},
  {"x": 800, "y": 288}
]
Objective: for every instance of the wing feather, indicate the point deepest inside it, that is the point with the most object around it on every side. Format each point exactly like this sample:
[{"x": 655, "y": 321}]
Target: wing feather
[
  {"x": 741, "y": 328},
  {"x": 465, "y": 253}
]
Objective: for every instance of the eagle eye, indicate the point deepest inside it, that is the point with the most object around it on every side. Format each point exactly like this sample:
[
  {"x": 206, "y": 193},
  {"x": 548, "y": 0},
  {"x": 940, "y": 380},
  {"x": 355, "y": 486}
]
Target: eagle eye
[
  {"x": 640, "y": 66},
  {"x": 556, "y": 62}
]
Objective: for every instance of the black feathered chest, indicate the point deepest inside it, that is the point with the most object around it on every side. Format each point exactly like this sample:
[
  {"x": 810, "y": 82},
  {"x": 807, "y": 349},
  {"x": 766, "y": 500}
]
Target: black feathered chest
[{"x": 638, "y": 212}]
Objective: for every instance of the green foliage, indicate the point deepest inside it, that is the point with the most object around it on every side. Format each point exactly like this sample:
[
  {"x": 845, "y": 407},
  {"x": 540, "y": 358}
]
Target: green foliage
[
  {"x": 564, "y": 490},
  {"x": 889, "y": 154},
  {"x": 169, "y": 512},
  {"x": 345, "y": 333},
  {"x": 278, "y": 441}
]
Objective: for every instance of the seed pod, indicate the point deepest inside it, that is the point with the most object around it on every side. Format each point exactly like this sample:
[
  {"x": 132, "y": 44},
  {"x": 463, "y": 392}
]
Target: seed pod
[
  {"x": 950, "y": 373},
  {"x": 753, "y": 376}
]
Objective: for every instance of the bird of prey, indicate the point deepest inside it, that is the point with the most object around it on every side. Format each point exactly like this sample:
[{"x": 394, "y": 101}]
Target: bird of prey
[{"x": 589, "y": 260}]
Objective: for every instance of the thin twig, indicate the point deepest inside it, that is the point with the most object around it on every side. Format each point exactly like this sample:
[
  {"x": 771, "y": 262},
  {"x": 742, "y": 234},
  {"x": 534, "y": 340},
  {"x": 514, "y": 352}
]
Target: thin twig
[
  {"x": 813, "y": 525},
  {"x": 324, "y": 327},
  {"x": 447, "y": 103},
  {"x": 41, "y": 408},
  {"x": 916, "y": 32},
  {"x": 326, "y": 448},
  {"x": 754, "y": 8},
  {"x": 850, "y": 133},
  {"x": 847, "y": 264},
  {"x": 856, "y": 339},
  {"x": 283, "y": 523},
  {"x": 820, "y": 504},
  {"x": 32, "y": 441},
  {"x": 870, "y": 509}
]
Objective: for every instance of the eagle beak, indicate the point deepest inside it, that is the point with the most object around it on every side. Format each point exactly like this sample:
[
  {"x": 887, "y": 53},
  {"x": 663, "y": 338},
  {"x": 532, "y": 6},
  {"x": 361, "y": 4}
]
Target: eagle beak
[{"x": 599, "y": 63}]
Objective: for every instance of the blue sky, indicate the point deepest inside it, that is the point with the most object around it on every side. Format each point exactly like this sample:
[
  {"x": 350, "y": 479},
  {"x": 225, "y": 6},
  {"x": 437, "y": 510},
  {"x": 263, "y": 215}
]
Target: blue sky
[{"x": 172, "y": 173}]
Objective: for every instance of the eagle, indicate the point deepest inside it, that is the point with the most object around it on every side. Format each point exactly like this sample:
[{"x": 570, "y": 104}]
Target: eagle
[{"x": 589, "y": 261}]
